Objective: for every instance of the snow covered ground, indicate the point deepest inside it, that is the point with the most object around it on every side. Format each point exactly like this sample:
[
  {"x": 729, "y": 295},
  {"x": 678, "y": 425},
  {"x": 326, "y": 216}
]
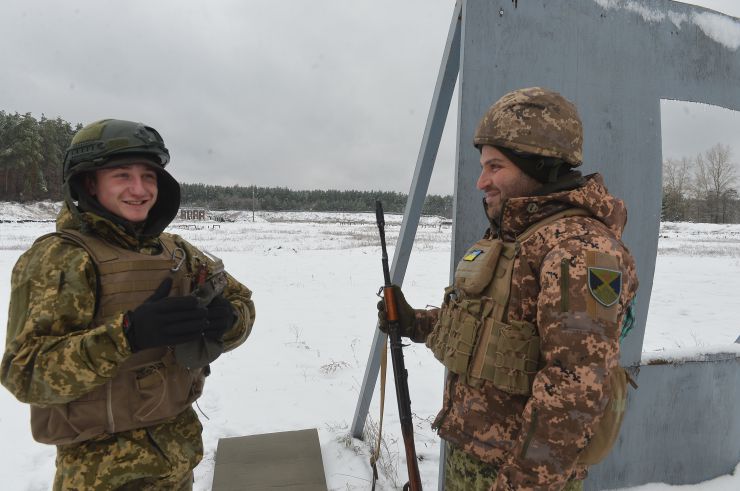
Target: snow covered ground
[{"x": 314, "y": 277}]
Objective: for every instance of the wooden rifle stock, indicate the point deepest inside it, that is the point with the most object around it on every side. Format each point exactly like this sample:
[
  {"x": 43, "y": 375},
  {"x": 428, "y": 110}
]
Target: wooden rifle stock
[{"x": 400, "y": 376}]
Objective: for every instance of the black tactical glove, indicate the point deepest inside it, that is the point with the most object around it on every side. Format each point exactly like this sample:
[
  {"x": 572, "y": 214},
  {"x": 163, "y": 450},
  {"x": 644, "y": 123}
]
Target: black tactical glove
[
  {"x": 220, "y": 318},
  {"x": 406, "y": 314},
  {"x": 164, "y": 321}
]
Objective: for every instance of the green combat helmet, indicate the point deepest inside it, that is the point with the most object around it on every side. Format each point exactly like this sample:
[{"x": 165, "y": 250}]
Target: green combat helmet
[
  {"x": 98, "y": 142},
  {"x": 534, "y": 121}
]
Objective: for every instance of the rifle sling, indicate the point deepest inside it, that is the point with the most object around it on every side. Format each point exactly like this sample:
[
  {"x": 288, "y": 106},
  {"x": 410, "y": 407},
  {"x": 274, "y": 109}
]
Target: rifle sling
[{"x": 383, "y": 369}]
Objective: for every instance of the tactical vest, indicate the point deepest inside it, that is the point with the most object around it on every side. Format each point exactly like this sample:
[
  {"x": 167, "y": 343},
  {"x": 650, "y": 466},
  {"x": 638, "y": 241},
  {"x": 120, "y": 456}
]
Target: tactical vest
[
  {"x": 472, "y": 341},
  {"x": 149, "y": 386}
]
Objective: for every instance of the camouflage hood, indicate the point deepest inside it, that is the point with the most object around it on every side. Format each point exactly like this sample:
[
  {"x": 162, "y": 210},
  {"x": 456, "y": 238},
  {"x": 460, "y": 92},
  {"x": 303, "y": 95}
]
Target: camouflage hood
[
  {"x": 88, "y": 222},
  {"x": 592, "y": 195}
]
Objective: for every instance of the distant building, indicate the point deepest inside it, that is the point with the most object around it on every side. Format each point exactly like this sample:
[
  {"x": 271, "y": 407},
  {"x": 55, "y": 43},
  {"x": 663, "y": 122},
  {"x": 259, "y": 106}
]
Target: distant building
[{"x": 192, "y": 213}]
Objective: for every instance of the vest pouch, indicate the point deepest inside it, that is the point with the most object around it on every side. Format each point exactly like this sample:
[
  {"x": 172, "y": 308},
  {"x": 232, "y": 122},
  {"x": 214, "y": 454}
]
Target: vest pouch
[
  {"x": 151, "y": 387},
  {"x": 463, "y": 334},
  {"x": 606, "y": 431},
  {"x": 162, "y": 389},
  {"x": 437, "y": 339},
  {"x": 513, "y": 356},
  {"x": 69, "y": 423},
  {"x": 475, "y": 269}
]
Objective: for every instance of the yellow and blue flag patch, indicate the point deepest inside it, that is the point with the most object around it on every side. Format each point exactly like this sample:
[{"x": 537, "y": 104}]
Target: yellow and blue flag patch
[{"x": 470, "y": 256}]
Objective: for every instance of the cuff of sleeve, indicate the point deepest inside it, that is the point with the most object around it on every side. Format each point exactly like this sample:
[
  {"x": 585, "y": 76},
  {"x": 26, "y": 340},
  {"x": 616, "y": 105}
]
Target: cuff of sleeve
[
  {"x": 106, "y": 346},
  {"x": 424, "y": 321},
  {"x": 239, "y": 330},
  {"x": 117, "y": 335}
]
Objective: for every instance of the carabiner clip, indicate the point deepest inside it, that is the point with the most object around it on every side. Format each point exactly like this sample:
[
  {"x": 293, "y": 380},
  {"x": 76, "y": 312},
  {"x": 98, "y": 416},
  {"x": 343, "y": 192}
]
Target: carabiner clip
[{"x": 178, "y": 256}]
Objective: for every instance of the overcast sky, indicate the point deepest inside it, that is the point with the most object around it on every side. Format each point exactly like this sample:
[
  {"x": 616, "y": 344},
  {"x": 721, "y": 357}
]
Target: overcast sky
[{"x": 296, "y": 93}]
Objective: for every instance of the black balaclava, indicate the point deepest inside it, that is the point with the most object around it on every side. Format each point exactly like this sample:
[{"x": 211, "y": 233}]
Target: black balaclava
[{"x": 554, "y": 174}]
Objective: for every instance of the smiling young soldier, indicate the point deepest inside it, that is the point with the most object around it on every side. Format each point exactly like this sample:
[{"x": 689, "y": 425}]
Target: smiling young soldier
[
  {"x": 530, "y": 329},
  {"x": 99, "y": 311}
]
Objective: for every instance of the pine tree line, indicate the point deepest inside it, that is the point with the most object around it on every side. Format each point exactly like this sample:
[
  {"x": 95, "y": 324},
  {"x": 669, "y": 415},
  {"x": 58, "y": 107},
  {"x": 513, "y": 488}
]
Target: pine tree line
[
  {"x": 283, "y": 199},
  {"x": 31, "y": 155},
  {"x": 32, "y": 151}
]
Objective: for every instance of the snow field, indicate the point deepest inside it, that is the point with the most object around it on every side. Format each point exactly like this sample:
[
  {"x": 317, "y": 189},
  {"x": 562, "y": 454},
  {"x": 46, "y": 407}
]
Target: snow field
[{"x": 314, "y": 278}]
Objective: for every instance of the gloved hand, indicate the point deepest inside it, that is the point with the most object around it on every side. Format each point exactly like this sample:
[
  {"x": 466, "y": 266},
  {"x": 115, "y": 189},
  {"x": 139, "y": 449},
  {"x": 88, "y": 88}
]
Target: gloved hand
[
  {"x": 406, "y": 314},
  {"x": 164, "y": 321},
  {"x": 220, "y": 318}
]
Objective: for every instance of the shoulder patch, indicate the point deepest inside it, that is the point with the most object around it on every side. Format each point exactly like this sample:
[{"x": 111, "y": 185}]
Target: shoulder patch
[{"x": 605, "y": 285}]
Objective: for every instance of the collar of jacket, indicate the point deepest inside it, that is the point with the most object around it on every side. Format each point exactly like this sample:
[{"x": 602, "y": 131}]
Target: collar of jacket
[
  {"x": 591, "y": 194},
  {"x": 91, "y": 223}
]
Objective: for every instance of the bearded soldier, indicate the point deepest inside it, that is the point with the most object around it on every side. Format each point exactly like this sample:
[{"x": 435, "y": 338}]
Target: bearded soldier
[
  {"x": 113, "y": 322},
  {"x": 529, "y": 331}
]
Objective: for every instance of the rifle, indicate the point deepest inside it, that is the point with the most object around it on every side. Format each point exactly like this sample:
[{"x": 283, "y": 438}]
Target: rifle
[{"x": 400, "y": 375}]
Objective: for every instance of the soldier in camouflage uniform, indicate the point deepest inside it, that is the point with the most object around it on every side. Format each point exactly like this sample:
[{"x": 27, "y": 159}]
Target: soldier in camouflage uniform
[
  {"x": 98, "y": 310},
  {"x": 530, "y": 329}
]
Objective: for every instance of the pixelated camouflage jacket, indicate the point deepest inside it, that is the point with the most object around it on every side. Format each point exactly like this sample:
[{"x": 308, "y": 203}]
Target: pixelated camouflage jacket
[
  {"x": 53, "y": 353},
  {"x": 535, "y": 441}
]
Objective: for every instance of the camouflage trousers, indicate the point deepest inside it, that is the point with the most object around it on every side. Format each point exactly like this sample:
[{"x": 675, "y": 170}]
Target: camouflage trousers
[
  {"x": 155, "y": 484},
  {"x": 158, "y": 458},
  {"x": 463, "y": 472},
  {"x": 68, "y": 480}
]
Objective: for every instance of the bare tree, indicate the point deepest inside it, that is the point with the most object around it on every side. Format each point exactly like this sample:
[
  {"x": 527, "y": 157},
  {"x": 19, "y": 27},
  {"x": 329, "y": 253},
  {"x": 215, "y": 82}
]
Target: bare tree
[
  {"x": 714, "y": 177},
  {"x": 676, "y": 187}
]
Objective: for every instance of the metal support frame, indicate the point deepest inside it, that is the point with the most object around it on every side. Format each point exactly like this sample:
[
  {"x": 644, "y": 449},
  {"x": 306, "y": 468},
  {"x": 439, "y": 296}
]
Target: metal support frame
[{"x": 422, "y": 174}]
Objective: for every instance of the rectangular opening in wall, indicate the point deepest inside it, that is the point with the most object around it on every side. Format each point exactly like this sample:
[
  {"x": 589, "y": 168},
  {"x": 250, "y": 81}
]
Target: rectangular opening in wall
[{"x": 694, "y": 304}]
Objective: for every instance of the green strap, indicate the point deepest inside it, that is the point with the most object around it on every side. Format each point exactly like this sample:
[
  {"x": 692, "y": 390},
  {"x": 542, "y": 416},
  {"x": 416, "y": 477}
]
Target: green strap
[{"x": 628, "y": 321}]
